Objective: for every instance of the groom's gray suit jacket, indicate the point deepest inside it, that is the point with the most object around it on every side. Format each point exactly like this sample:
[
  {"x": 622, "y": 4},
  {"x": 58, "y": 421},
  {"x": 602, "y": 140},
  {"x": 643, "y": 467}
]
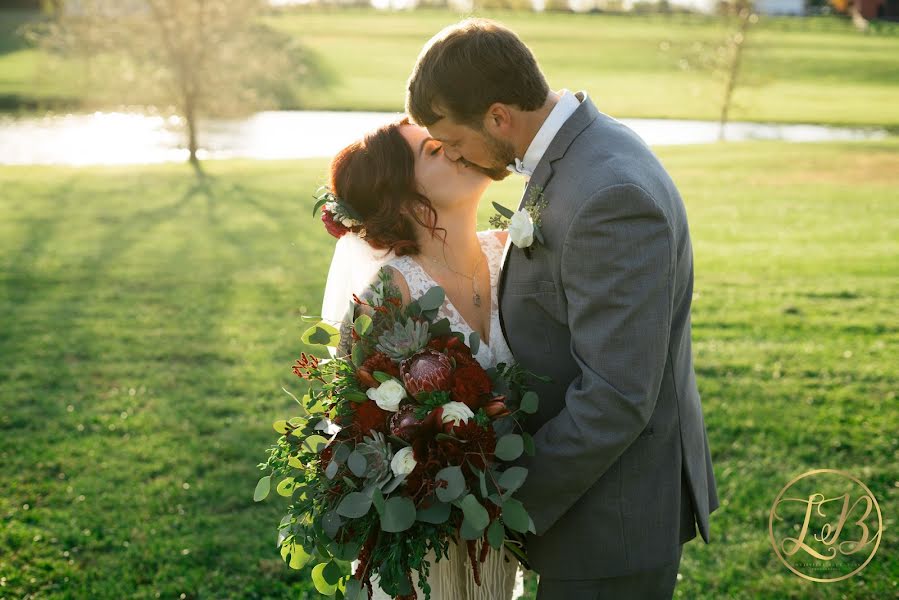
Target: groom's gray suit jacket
[{"x": 622, "y": 467}]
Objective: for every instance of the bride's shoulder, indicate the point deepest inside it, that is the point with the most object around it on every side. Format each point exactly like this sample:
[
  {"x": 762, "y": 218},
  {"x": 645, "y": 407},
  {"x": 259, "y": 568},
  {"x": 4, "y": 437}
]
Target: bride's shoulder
[{"x": 497, "y": 235}]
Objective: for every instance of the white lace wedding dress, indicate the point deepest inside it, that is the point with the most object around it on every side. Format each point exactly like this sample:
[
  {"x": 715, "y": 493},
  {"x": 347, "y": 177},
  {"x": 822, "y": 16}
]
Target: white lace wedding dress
[{"x": 451, "y": 578}]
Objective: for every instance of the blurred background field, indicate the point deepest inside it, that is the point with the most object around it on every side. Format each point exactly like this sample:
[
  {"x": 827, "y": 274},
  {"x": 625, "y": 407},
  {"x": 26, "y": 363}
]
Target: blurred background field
[
  {"x": 811, "y": 70},
  {"x": 149, "y": 318}
]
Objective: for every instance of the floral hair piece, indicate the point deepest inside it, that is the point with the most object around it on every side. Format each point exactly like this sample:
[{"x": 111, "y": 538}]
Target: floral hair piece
[{"x": 338, "y": 216}]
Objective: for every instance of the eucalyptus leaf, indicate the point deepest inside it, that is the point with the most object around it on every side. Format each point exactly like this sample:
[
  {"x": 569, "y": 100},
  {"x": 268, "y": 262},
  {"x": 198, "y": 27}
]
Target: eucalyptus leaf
[
  {"x": 341, "y": 453},
  {"x": 395, "y": 483},
  {"x": 357, "y": 463},
  {"x": 358, "y": 355},
  {"x": 331, "y": 573},
  {"x": 331, "y": 523},
  {"x": 468, "y": 532},
  {"x": 319, "y": 581},
  {"x": 455, "y": 483},
  {"x": 295, "y": 555},
  {"x": 331, "y": 469},
  {"x": 528, "y": 440},
  {"x": 398, "y": 514},
  {"x": 377, "y": 498},
  {"x": 529, "y": 402},
  {"x": 437, "y": 513},
  {"x": 538, "y": 234},
  {"x": 285, "y": 488},
  {"x": 353, "y": 589},
  {"x": 496, "y": 534},
  {"x": 474, "y": 342},
  {"x": 513, "y": 478},
  {"x": 354, "y": 505},
  {"x": 320, "y": 334},
  {"x": 474, "y": 512},
  {"x": 432, "y": 299},
  {"x": 348, "y": 551},
  {"x": 362, "y": 325},
  {"x": 263, "y": 487},
  {"x": 515, "y": 516},
  {"x": 440, "y": 328},
  {"x": 315, "y": 443},
  {"x": 280, "y": 426},
  {"x": 509, "y": 447}
]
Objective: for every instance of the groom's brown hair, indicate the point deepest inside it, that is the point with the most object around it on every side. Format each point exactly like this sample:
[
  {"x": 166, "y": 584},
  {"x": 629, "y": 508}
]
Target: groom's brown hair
[{"x": 469, "y": 66}]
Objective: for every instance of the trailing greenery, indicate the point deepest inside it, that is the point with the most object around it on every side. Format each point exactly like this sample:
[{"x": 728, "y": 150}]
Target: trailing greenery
[{"x": 149, "y": 324}]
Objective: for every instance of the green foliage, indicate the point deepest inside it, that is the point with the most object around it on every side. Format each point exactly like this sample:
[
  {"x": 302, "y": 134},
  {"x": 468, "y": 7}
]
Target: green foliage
[{"x": 119, "y": 279}]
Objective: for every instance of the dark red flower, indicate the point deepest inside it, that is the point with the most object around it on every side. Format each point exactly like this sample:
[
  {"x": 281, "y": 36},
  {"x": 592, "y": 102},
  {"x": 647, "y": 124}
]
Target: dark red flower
[
  {"x": 336, "y": 229},
  {"x": 381, "y": 362},
  {"x": 427, "y": 371},
  {"x": 368, "y": 416},
  {"x": 471, "y": 386}
]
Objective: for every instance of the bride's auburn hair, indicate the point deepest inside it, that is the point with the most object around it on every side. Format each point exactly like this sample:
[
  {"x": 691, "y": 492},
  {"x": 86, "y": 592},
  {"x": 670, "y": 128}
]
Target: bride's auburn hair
[{"x": 376, "y": 176}]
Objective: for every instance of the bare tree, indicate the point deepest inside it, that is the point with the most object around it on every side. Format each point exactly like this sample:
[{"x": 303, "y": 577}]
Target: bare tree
[
  {"x": 193, "y": 58},
  {"x": 723, "y": 58}
]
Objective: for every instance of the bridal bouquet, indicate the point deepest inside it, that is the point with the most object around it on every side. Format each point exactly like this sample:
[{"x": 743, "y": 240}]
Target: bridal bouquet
[{"x": 403, "y": 443}]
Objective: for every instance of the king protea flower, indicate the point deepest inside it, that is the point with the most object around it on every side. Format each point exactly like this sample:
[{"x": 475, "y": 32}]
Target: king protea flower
[{"x": 426, "y": 371}]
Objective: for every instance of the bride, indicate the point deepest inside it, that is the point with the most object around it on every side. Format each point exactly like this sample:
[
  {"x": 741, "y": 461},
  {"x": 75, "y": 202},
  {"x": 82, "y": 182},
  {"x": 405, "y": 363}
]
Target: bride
[{"x": 418, "y": 212}]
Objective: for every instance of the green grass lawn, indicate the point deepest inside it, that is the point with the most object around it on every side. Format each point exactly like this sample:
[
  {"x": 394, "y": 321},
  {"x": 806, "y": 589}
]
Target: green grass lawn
[
  {"x": 148, "y": 326},
  {"x": 815, "y": 70}
]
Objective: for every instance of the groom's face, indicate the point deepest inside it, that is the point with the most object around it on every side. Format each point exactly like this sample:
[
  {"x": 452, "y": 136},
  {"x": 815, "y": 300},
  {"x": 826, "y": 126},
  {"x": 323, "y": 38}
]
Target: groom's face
[{"x": 478, "y": 149}]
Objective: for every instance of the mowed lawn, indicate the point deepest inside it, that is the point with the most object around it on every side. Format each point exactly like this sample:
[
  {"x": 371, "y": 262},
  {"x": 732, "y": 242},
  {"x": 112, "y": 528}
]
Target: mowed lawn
[
  {"x": 814, "y": 70},
  {"x": 148, "y": 326}
]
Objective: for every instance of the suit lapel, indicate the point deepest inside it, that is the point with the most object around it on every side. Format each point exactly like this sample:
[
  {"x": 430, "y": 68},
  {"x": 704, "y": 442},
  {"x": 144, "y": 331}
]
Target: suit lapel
[{"x": 585, "y": 114}]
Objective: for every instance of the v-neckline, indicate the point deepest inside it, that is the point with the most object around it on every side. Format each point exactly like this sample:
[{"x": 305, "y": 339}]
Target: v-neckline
[{"x": 481, "y": 242}]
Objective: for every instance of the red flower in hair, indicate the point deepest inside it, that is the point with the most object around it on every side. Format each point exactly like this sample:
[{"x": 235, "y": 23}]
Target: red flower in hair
[{"x": 336, "y": 229}]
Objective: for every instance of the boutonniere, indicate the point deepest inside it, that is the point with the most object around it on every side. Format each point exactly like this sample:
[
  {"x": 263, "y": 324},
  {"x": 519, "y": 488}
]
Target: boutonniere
[{"x": 524, "y": 224}]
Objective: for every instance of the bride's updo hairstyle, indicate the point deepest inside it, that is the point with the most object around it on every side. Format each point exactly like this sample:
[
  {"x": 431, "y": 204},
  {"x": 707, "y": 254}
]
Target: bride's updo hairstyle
[{"x": 376, "y": 177}]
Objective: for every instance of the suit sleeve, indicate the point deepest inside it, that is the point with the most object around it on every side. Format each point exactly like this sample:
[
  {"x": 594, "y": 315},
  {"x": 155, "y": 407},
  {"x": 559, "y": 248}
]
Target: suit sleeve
[{"x": 617, "y": 274}]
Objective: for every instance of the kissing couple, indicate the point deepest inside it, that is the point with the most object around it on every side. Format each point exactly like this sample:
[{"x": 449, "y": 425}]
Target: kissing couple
[{"x": 590, "y": 286}]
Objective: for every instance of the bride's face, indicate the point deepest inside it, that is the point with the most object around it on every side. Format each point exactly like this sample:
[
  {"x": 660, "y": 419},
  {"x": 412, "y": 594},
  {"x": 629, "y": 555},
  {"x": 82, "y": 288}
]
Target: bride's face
[{"x": 445, "y": 183}]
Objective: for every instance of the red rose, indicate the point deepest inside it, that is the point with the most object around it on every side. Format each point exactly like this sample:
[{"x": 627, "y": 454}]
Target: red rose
[
  {"x": 427, "y": 371},
  {"x": 471, "y": 386}
]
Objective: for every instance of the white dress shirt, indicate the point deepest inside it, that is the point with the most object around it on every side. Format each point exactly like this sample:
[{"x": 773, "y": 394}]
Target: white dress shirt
[{"x": 564, "y": 108}]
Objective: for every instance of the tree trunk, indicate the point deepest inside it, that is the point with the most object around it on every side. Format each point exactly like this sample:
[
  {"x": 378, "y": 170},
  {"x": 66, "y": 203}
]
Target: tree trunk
[
  {"x": 190, "y": 118},
  {"x": 733, "y": 71}
]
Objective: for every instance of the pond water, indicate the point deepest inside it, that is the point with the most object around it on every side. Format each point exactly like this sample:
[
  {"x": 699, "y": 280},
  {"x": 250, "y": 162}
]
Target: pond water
[{"x": 131, "y": 138}]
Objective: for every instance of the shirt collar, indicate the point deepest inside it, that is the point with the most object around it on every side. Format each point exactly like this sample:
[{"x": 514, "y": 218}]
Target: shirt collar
[{"x": 564, "y": 108}]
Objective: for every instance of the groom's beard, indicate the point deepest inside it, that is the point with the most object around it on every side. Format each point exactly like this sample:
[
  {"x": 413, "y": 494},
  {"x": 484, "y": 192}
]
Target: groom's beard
[{"x": 501, "y": 154}]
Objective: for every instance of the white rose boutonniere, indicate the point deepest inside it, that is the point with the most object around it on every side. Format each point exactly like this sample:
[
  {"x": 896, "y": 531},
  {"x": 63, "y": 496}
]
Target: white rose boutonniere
[
  {"x": 523, "y": 225},
  {"x": 521, "y": 229}
]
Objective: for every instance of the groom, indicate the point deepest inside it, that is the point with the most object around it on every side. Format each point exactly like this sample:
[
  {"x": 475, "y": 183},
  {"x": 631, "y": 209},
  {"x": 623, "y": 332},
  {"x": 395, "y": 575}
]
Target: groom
[{"x": 622, "y": 475}]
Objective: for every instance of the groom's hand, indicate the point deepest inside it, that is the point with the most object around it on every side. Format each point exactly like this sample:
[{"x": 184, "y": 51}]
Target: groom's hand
[{"x": 617, "y": 273}]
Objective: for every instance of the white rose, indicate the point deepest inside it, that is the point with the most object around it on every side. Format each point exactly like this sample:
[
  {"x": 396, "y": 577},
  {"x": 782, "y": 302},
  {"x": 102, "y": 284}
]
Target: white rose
[
  {"x": 403, "y": 462},
  {"x": 457, "y": 412},
  {"x": 521, "y": 229},
  {"x": 388, "y": 395}
]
